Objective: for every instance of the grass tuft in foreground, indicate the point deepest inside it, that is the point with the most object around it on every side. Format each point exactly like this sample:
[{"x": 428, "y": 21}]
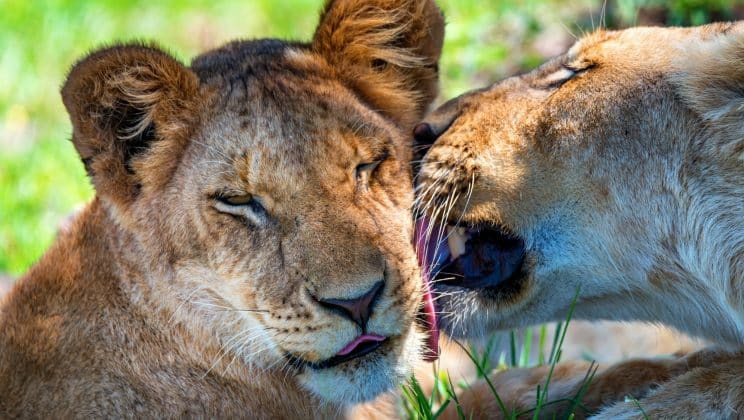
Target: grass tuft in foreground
[{"x": 418, "y": 405}]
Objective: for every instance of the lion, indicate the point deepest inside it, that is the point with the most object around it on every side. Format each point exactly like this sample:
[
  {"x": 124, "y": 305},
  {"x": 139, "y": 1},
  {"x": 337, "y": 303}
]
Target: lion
[
  {"x": 248, "y": 252},
  {"x": 609, "y": 180}
]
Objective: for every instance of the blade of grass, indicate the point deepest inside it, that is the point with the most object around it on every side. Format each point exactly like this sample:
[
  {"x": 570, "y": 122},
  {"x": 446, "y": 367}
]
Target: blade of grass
[
  {"x": 541, "y": 355},
  {"x": 638, "y": 404},
  {"x": 416, "y": 398},
  {"x": 519, "y": 414},
  {"x": 488, "y": 381},
  {"x": 484, "y": 361},
  {"x": 442, "y": 408},
  {"x": 588, "y": 378},
  {"x": 453, "y": 397},
  {"x": 524, "y": 357},
  {"x": 513, "y": 348},
  {"x": 435, "y": 387},
  {"x": 556, "y": 356},
  {"x": 556, "y": 337}
]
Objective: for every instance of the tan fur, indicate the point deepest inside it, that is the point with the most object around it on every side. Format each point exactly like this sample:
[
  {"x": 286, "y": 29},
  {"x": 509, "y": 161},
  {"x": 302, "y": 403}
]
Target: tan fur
[
  {"x": 621, "y": 165},
  {"x": 161, "y": 300}
]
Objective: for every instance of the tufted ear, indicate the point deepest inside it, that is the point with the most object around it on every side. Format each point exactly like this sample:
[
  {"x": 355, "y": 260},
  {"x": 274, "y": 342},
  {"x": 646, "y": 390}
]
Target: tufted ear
[
  {"x": 386, "y": 50},
  {"x": 132, "y": 107}
]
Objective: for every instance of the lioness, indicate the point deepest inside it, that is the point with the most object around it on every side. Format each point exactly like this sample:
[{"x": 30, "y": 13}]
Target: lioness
[
  {"x": 249, "y": 249},
  {"x": 615, "y": 170}
]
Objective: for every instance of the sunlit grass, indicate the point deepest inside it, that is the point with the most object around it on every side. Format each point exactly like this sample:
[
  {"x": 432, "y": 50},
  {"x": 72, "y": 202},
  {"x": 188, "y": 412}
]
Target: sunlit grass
[{"x": 418, "y": 405}]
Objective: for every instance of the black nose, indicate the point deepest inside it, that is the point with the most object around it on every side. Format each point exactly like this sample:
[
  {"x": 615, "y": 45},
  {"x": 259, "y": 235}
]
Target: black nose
[
  {"x": 357, "y": 309},
  {"x": 424, "y": 135}
]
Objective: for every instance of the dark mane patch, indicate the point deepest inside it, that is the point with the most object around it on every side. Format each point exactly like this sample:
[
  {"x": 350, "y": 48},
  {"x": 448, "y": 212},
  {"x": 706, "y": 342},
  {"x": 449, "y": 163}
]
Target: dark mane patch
[{"x": 243, "y": 57}]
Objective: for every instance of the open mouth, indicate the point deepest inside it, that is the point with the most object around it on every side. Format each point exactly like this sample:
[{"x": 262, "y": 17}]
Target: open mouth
[{"x": 470, "y": 256}]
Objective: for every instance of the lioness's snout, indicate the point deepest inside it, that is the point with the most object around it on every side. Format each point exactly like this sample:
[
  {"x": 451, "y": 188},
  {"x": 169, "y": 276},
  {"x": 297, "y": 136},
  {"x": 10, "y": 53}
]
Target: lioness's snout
[{"x": 437, "y": 123}]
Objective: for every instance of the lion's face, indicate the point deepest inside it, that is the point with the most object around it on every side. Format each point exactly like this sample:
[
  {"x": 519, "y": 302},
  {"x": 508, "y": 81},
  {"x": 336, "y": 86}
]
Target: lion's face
[
  {"x": 296, "y": 203},
  {"x": 272, "y": 182},
  {"x": 300, "y": 202},
  {"x": 571, "y": 179}
]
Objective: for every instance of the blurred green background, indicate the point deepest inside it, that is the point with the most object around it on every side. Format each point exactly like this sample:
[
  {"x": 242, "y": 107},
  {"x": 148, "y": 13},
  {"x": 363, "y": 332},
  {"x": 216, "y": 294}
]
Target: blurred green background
[{"x": 41, "y": 179}]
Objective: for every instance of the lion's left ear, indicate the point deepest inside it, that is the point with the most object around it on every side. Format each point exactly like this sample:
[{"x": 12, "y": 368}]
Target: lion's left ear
[
  {"x": 386, "y": 50},
  {"x": 131, "y": 108}
]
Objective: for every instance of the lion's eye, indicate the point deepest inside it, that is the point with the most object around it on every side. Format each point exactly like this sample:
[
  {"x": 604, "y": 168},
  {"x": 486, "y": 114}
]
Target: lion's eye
[
  {"x": 243, "y": 205},
  {"x": 363, "y": 168},
  {"x": 565, "y": 73},
  {"x": 364, "y": 171},
  {"x": 558, "y": 77},
  {"x": 237, "y": 200}
]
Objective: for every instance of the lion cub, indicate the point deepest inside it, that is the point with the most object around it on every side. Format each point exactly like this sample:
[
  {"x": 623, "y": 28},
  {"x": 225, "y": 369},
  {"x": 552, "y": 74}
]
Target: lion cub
[{"x": 248, "y": 251}]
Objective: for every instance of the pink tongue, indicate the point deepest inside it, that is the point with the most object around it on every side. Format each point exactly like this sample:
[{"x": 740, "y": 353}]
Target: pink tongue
[
  {"x": 364, "y": 338},
  {"x": 431, "y": 353},
  {"x": 426, "y": 245}
]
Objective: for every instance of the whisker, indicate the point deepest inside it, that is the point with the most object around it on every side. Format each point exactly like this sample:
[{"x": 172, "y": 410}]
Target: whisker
[
  {"x": 180, "y": 305},
  {"x": 228, "y": 308}
]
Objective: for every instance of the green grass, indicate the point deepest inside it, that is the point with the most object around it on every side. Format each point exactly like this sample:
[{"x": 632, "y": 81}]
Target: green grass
[{"x": 418, "y": 405}]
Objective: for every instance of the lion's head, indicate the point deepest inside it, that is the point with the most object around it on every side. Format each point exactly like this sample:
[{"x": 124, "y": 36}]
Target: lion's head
[
  {"x": 264, "y": 192},
  {"x": 614, "y": 170}
]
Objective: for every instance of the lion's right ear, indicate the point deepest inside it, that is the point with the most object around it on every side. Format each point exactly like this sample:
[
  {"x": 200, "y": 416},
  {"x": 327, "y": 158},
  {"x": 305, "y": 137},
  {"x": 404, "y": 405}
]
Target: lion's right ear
[
  {"x": 387, "y": 50},
  {"x": 132, "y": 108}
]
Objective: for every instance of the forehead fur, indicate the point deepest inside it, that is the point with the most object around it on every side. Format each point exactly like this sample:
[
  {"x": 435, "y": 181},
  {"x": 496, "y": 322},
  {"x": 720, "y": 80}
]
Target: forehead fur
[
  {"x": 243, "y": 60},
  {"x": 652, "y": 47},
  {"x": 267, "y": 80},
  {"x": 278, "y": 113}
]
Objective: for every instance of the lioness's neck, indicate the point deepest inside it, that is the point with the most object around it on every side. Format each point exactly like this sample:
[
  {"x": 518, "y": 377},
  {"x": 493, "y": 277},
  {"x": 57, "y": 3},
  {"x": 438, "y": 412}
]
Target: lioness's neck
[{"x": 702, "y": 257}]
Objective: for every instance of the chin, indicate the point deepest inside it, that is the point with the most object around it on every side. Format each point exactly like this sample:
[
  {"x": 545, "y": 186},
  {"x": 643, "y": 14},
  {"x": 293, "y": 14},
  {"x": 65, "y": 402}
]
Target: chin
[{"x": 478, "y": 312}]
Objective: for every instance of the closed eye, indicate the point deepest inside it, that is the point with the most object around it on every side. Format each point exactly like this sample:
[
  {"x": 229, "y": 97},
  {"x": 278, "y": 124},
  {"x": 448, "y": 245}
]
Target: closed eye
[
  {"x": 562, "y": 75},
  {"x": 364, "y": 171},
  {"x": 246, "y": 206},
  {"x": 558, "y": 77}
]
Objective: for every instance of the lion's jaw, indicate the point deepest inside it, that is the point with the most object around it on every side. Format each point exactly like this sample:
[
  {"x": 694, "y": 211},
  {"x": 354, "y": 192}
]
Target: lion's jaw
[{"x": 607, "y": 164}]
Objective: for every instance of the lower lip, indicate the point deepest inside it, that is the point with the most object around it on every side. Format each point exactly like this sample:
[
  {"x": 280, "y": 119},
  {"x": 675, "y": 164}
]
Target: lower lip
[
  {"x": 359, "y": 340},
  {"x": 370, "y": 346}
]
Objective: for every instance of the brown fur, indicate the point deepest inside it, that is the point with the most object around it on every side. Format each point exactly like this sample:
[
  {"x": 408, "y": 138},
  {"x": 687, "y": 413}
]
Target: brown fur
[
  {"x": 620, "y": 165},
  {"x": 162, "y": 300},
  {"x": 641, "y": 379}
]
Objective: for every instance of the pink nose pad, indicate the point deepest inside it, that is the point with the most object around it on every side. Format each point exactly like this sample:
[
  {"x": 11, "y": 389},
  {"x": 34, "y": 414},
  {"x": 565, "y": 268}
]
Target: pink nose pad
[{"x": 358, "y": 309}]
